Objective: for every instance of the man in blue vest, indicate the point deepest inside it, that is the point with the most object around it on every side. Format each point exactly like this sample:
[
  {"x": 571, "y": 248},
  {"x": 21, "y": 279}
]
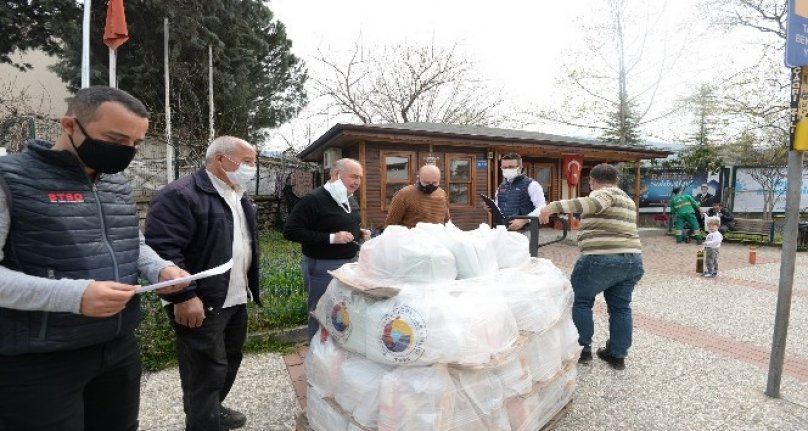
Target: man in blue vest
[
  {"x": 518, "y": 194},
  {"x": 70, "y": 257}
]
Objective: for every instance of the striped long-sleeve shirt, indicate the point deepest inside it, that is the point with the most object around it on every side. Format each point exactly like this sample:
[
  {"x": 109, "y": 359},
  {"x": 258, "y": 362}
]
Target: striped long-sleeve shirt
[{"x": 608, "y": 221}]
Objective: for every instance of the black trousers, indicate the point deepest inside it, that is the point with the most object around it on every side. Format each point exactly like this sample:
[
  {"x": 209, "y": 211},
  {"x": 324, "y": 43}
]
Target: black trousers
[
  {"x": 209, "y": 358},
  {"x": 93, "y": 388}
]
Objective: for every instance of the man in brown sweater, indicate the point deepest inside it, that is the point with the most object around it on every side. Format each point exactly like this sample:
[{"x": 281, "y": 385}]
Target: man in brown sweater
[{"x": 423, "y": 201}]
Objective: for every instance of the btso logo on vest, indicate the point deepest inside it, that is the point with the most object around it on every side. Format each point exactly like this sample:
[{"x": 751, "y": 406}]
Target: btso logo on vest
[{"x": 72, "y": 197}]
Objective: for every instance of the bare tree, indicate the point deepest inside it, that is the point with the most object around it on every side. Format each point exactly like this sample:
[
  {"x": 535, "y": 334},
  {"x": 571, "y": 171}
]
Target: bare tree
[
  {"x": 615, "y": 92},
  {"x": 766, "y": 16},
  {"x": 765, "y": 163},
  {"x": 772, "y": 180},
  {"x": 20, "y": 112},
  {"x": 403, "y": 83},
  {"x": 758, "y": 96}
]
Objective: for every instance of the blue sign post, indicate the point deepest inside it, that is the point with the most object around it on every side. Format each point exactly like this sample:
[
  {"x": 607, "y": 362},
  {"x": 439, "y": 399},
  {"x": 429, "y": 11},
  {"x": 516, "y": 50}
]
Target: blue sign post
[
  {"x": 797, "y": 33},
  {"x": 796, "y": 57}
]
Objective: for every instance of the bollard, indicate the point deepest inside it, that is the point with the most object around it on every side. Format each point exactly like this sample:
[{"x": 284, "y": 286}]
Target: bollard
[
  {"x": 752, "y": 254},
  {"x": 700, "y": 261}
]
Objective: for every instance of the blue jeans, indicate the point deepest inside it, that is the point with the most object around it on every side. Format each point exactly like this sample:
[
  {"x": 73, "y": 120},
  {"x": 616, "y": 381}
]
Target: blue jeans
[
  {"x": 615, "y": 275},
  {"x": 316, "y": 279},
  {"x": 711, "y": 259}
]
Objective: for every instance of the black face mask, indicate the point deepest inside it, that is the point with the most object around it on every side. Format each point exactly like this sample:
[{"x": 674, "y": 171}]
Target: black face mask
[
  {"x": 428, "y": 189},
  {"x": 103, "y": 156}
]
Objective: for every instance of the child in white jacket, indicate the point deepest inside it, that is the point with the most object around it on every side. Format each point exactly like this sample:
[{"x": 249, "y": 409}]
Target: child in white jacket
[{"x": 711, "y": 245}]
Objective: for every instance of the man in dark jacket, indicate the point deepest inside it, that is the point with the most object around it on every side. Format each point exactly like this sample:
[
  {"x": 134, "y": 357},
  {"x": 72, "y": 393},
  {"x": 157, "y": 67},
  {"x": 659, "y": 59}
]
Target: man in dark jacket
[
  {"x": 70, "y": 257},
  {"x": 199, "y": 222},
  {"x": 326, "y": 224},
  {"x": 726, "y": 217}
]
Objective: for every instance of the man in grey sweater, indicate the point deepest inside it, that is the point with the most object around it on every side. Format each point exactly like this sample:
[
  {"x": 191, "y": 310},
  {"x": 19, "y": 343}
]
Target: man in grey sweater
[{"x": 70, "y": 257}]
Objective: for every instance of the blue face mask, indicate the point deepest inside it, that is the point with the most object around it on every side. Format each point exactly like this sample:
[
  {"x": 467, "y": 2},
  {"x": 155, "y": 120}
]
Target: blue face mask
[{"x": 103, "y": 156}]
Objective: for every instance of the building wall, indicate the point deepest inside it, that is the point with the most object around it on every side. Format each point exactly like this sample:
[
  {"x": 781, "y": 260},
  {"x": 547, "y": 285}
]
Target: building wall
[
  {"x": 45, "y": 91},
  {"x": 465, "y": 217}
]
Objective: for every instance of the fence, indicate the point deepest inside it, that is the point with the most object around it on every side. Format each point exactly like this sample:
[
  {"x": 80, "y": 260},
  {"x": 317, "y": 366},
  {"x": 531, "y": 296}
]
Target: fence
[{"x": 148, "y": 172}]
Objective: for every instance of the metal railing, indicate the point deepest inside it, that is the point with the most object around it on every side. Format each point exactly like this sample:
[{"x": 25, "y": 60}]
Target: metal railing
[{"x": 533, "y": 228}]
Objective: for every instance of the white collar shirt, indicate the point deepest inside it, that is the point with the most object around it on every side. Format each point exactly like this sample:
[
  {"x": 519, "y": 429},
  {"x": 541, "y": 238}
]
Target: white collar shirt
[{"x": 237, "y": 290}]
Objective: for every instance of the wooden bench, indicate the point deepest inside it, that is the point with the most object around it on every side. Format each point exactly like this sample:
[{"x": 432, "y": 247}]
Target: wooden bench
[{"x": 753, "y": 227}]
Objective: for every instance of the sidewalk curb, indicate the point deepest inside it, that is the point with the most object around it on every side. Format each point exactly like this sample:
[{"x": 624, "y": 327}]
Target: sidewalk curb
[{"x": 293, "y": 335}]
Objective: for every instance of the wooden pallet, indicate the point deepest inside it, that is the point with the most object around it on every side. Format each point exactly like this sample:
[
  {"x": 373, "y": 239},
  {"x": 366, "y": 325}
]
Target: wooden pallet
[
  {"x": 302, "y": 423},
  {"x": 558, "y": 416}
]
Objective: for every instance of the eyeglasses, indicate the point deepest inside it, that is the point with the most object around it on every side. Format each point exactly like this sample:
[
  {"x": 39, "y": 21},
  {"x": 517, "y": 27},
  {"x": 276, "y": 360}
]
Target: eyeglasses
[{"x": 246, "y": 162}]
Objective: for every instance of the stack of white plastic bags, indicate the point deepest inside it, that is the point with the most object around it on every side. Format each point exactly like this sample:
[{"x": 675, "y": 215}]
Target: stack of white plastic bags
[{"x": 435, "y": 328}]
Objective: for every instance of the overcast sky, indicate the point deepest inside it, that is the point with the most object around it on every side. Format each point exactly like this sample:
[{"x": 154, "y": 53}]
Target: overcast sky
[{"x": 517, "y": 46}]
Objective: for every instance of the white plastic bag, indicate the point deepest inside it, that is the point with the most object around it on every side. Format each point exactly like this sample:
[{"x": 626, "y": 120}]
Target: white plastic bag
[
  {"x": 321, "y": 415},
  {"x": 359, "y": 387},
  {"x": 462, "y": 322},
  {"x": 402, "y": 256},
  {"x": 416, "y": 399},
  {"x": 511, "y": 248},
  {"x": 322, "y": 365}
]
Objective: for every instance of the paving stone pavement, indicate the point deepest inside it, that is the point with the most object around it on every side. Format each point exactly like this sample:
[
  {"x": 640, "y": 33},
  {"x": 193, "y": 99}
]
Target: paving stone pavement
[{"x": 699, "y": 359}]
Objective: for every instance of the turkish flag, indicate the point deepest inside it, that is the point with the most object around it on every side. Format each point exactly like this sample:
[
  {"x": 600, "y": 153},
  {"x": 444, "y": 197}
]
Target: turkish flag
[
  {"x": 572, "y": 169},
  {"x": 115, "y": 32}
]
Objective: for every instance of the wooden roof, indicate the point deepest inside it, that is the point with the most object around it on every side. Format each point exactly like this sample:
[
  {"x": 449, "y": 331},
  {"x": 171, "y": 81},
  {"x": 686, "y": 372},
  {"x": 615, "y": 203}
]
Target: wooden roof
[{"x": 523, "y": 142}]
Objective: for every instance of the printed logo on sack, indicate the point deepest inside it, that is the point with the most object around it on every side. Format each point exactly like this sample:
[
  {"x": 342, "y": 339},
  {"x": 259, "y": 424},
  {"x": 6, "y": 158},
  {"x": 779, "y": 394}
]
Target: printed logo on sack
[
  {"x": 403, "y": 332},
  {"x": 340, "y": 318}
]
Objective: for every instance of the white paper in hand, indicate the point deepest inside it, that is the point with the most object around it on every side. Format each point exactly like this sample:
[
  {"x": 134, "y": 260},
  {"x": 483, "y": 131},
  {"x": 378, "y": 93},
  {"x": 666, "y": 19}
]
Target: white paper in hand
[{"x": 221, "y": 269}]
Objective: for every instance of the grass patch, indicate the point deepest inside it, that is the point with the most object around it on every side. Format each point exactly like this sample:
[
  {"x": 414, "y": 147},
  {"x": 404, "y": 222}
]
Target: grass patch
[{"x": 282, "y": 294}]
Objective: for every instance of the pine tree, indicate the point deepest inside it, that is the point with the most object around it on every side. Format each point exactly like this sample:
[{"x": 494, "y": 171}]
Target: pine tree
[
  {"x": 27, "y": 25},
  {"x": 258, "y": 82}
]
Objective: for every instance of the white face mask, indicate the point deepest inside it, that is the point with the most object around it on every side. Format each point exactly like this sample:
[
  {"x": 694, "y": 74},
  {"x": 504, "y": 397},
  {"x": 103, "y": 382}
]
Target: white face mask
[
  {"x": 242, "y": 175},
  {"x": 338, "y": 191},
  {"x": 510, "y": 173}
]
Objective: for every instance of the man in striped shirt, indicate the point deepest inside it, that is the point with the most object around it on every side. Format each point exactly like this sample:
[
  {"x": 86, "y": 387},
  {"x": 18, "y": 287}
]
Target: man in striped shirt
[{"x": 610, "y": 261}]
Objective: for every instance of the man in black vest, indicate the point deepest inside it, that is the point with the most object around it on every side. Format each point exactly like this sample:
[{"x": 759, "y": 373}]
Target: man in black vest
[
  {"x": 71, "y": 257},
  {"x": 518, "y": 194}
]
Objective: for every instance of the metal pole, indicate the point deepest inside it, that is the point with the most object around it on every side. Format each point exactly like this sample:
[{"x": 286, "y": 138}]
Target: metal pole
[
  {"x": 210, "y": 92},
  {"x": 637, "y": 186},
  {"x": 787, "y": 262},
  {"x": 31, "y": 129},
  {"x": 257, "y": 171},
  {"x": 85, "y": 45},
  {"x": 113, "y": 60},
  {"x": 169, "y": 146}
]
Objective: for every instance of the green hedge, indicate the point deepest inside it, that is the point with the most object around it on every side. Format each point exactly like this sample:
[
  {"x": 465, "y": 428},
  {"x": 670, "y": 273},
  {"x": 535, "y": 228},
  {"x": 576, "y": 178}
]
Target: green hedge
[{"x": 282, "y": 294}]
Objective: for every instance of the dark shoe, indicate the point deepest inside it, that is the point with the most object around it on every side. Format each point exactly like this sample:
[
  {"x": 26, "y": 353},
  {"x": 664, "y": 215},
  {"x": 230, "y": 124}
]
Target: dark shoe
[
  {"x": 221, "y": 427},
  {"x": 616, "y": 363},
  {"x": 586, "y": 357},
  {"x": 231, "y": 419}
]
